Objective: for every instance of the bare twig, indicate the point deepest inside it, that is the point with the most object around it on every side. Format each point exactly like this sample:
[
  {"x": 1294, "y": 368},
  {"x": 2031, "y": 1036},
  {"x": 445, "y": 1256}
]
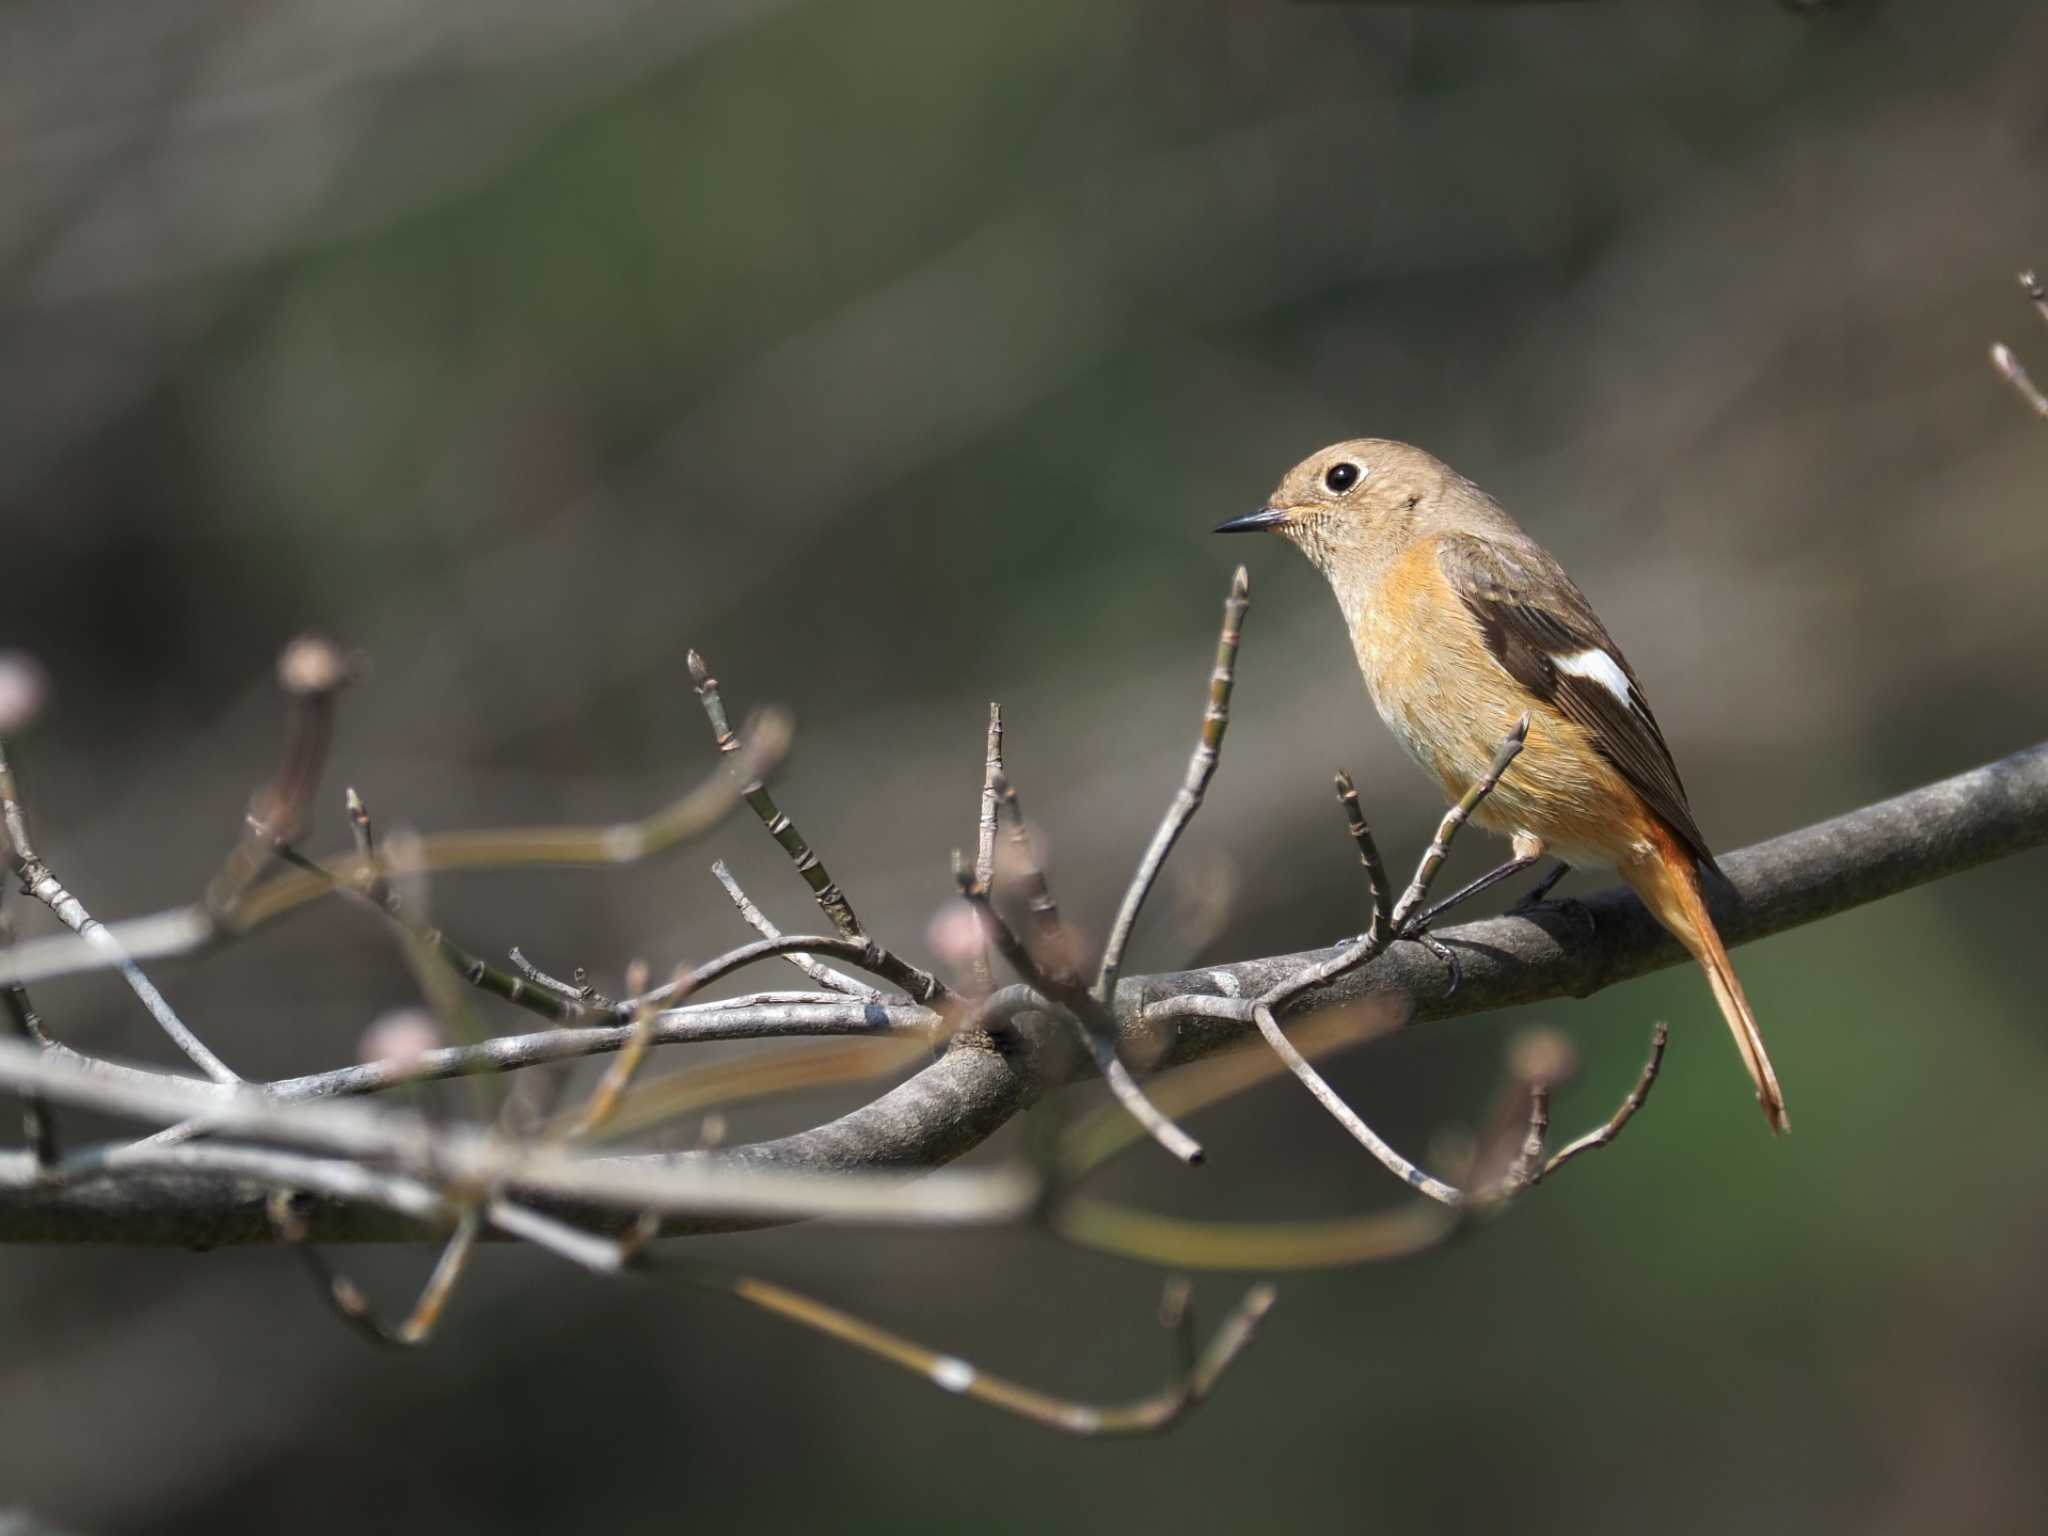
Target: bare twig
[
  {"x": 1409, "y": 1174},
  {"x": 425, "y": 940},
  {"x": 763, "y": 1017},
  {"x": 1201, "y": 768},
  {"x": 985, "y": 837},
  {"x": 863, "y": 952},
  {"x": 1376, "y": 939},
  {"x": 1093, "y": 1023},
  {"x": 755, "y": 918},
  {"x": 36, "y": 879},
  {"x": 348, "y": 1298},
  {"x": 1262, "y": 1247},
  {"x": 831, "y": 900},
  {"x": 198, "y": 1195},
  {"x": 471, "y": 1160},
  {"x": 184, "y": 930},
  {"x": 1368, "y": 851},
  {"x": 39, "y": 1129},
  {"x": 2014, "y": 373},
  {"x": 604, "y": 1099},
  {"x": 2008, "y": 366},
  {"x": 1537, "y": 1065},
  {"x": 312, "y": 673},
  {"x": 1056, "y": 949},
  {"x": 1602, "y": 1135},
  {"x": 759, "y": 1075},
  {"x": 590, "y": 1250},
  {"x": 1156, "y": 1411},
  {"x": 577, "y": 991},
  {"x": 1440, "y": 846},
  {"x": 2036, "y": 293}
]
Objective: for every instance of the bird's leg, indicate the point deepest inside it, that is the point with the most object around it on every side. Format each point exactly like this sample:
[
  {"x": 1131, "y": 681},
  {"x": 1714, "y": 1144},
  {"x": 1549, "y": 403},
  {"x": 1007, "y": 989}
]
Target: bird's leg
[
  {"x": 1411, "y": 924},
  {"x": 1485, "y": 882},
  {"x": 1542, "y": 888},
  {"x": 1415, "y": 926},
  {"x": 1536, "y": 901}
]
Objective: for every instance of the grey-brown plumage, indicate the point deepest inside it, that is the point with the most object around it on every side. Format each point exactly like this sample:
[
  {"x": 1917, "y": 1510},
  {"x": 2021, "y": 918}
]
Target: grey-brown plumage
[
  {"x": 1461, "y": 624},
  {"x": 1532, "y": 614}
]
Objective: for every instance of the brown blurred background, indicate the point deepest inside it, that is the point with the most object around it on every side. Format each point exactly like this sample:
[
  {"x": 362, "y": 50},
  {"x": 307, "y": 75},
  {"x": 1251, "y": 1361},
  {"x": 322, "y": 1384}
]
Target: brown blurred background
[{"x": 901, "y": 357}]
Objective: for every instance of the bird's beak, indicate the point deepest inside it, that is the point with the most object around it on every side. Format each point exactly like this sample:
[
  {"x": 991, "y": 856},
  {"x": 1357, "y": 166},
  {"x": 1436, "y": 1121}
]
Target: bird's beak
[{"x": 1264, "y": 519}]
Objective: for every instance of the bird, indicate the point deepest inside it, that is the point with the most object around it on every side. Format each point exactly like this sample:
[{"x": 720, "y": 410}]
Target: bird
[{"x": 1463, "y": 625}]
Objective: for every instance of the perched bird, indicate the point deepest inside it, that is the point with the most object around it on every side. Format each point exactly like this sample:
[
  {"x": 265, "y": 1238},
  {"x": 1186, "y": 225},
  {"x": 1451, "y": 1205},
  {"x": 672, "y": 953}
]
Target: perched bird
[{"x": 1462, "y": 625}]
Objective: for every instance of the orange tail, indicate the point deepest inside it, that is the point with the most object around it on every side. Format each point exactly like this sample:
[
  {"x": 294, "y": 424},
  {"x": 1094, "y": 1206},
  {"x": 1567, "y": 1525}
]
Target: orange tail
[{"x": 1669, "y": 885}]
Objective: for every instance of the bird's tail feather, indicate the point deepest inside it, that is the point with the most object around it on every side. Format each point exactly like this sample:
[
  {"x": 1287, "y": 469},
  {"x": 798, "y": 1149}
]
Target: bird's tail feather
[{"x": 1670, "y": 887}]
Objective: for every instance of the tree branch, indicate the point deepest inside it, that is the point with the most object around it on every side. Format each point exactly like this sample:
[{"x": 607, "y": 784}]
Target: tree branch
[{"x": 977, "y": 1086}]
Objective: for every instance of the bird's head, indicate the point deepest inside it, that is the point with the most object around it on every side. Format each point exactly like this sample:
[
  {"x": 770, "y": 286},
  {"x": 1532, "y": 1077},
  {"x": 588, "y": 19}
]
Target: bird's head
[{"x": 1354, "y": 501}]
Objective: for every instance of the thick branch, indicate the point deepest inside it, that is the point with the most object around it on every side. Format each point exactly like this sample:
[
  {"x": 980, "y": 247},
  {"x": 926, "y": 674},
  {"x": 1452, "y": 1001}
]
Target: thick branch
[{"x": 957, "y": 1102}]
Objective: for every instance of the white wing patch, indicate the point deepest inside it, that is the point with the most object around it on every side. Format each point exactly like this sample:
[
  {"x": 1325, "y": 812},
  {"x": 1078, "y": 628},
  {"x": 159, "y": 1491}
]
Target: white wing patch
[{"x": 1596, "y": 665}]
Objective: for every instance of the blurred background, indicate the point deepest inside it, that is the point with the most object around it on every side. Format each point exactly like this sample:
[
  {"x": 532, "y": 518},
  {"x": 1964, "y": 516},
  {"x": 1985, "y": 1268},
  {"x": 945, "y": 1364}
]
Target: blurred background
[{"x": 901, "y": 356}]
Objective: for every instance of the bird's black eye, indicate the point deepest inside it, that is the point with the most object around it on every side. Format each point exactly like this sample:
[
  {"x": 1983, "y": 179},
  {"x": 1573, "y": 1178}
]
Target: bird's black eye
[{"x": 1340, "y": 477}]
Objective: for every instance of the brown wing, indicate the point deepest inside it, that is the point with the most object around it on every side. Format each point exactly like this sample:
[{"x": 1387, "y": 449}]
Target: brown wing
[{"x": 1541, "y": 628}]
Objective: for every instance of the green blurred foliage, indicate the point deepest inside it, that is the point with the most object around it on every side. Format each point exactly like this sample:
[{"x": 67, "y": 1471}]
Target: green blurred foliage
[{"x": 901, "y": 355}]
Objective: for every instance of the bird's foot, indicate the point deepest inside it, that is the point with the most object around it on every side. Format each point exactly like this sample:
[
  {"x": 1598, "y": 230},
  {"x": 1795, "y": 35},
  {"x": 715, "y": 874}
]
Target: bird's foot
[{"x": 1416, "y": 931}]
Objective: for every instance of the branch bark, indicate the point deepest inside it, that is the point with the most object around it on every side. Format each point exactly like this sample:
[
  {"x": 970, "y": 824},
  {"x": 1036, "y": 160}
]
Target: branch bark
[{"x": 981, "y": 1081}]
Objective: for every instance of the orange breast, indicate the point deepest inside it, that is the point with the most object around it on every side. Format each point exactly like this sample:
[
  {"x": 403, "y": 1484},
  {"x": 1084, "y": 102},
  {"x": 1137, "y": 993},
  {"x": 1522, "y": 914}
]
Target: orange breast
[{"x": 1449, "y": 702}]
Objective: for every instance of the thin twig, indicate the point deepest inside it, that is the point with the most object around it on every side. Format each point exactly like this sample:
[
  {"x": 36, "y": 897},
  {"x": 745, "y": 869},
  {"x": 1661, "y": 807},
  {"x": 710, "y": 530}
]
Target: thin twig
[
  {"x": 1376, "y": 938},
  {"x": 591, "y": 1250},
  {"x": 1440, "y": 847},
  {"x": 864, "y": 952},
  {"x": 1602, "y": 1135},
  {"x": 1092, "y": 1021},
  {"x": 1380, "y": 935},
  {"x": 2036, "y": 292},
  {"x": 820, "y": 1016},
  {"x": 831, "y": 900},
  {"x": 2008, "y": 366},
  {"x": 1145, "y": 1415},
  {"x": 348, "y": 1298},
  {"x": 578, "y": 991},
  {"x": 467, "y": 1159},
  {"x": 379, "y": 895},
  {"x": 312, "y": 673},
  {"x": 758, "y": 1075},
  {"x": 1536, "y": 1069},
  {"x": 1201, "y": 768},
  {"x": 37, "y": 879},
  {"x": 604, "y": 1099},
  {"x": 1409, "y": 1174},
  {"x": 185, "y": 930},
  {"x": 1055, "y": 950},
  {"x": 1958, "y": 823},
  {"x": 1368, "y": 851},
  {"x": 38, "y": 1127},
  {"x": 1343, "y": 1242},
  {"x": 2010, "y": 369},
  {"x": 983, "y": 969},
  {"x": 763, "y": 744},
  {"x": 1194, "y": 1378},
  {"x": 758, "y": 920},
  {"x": 759, "y": 1016}
]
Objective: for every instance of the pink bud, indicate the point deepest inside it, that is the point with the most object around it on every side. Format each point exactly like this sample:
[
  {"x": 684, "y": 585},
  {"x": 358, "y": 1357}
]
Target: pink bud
[
  {"x": 957, "y": 933},
  {"x": 400, "y": 1037},
  {"x": 24, "y": 685}
]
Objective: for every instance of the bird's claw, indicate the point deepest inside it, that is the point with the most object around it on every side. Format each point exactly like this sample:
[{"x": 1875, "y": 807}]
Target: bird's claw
[{"x": 1416, "y": 931}]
